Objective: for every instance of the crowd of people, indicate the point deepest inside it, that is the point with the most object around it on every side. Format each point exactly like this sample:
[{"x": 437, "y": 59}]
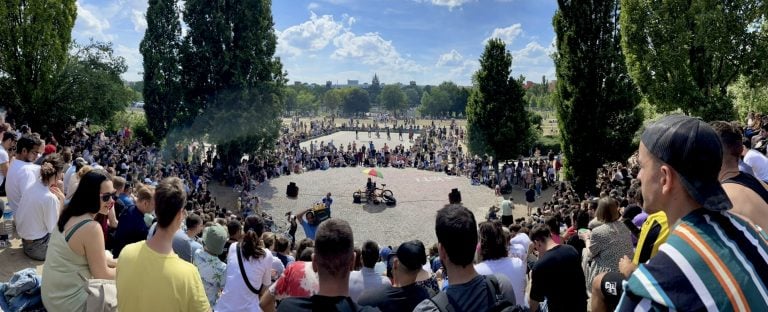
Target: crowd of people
[{"x": 679, "y": 226}]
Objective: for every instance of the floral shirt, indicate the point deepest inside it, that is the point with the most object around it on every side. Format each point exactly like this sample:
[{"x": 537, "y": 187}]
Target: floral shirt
[{"x": 213, "y": 272}]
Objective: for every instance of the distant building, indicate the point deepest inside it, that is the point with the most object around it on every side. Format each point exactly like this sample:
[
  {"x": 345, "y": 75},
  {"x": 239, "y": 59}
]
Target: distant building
[
  {"x": 528, "y": 85},
  {"x": 552, "y": 85},
  {"x": 297, "y": 83},
  {"x": 328, "y": 84},
  {"x": 412, "y": 83},
  {"x": 352, "y": 82}
]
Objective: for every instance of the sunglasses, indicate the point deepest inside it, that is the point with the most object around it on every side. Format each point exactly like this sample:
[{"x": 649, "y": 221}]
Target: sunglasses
[{"x": 107, "y": 196}]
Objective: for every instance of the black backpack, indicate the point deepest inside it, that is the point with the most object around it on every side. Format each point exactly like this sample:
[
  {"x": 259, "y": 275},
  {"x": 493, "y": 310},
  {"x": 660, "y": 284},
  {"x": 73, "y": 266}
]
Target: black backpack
[{"x": 444, "y": 303}]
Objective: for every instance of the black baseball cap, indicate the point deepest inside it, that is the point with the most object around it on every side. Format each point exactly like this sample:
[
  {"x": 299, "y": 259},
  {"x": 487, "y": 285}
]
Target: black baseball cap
[
  {"x": 411, "y": 254},
  {"x": 693, "y": 149}
]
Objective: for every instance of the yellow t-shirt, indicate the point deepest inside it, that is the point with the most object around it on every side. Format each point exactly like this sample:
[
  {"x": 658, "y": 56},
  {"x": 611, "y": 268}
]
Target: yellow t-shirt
[
  {"x": 654, "y": 232},
  {"x": 149, "y": 281}
]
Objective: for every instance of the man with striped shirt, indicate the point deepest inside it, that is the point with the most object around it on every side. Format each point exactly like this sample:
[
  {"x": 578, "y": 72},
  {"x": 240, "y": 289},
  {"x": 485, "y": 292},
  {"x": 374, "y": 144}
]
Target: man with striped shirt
[{"x": 712, "y": 260}]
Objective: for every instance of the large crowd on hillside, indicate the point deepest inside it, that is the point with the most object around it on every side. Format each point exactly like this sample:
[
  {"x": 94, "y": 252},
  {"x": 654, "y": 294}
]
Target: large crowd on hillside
[{"x": 679, "y": 226}]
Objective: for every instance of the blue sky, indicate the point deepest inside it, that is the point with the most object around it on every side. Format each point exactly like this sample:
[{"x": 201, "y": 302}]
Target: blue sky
[{"x": 428, "y": 41}]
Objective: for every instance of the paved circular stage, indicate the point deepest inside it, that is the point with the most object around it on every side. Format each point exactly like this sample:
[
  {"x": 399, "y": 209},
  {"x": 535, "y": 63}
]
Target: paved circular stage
[
  {"x": 347, "y": 137},
  {"x": 419, "y": 195}
]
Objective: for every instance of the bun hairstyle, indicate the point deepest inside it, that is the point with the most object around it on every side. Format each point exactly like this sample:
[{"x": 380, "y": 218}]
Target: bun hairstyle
[
  {"x": 52, "y": 165},
  {"x": 82, "y": 171},
  {"x": 251, "y": 244}
]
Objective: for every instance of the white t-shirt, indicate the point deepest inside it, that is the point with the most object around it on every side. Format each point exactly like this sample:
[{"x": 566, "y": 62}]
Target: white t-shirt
[
  {"x": 236, "y": 295},
  {"x": 364, "y": 280},
  {"x": 38, "y": 213},
  {"x": 21, "y": 176},
  {"x": 759, "y": 164},
  {"x": 518, "y": 246},
  {"x": 67, "y": 176},
  {"x": 513, "y": 269},
  {"x": 3, "y": 159}
]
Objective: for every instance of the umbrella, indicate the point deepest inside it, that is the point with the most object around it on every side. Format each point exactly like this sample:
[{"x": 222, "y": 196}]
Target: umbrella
[{"x": 373, "y": 172}]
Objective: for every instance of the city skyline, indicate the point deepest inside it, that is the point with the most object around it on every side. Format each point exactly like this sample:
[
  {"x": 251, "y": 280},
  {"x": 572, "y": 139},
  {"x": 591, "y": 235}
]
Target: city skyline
[{"x": 427, "y": 41}]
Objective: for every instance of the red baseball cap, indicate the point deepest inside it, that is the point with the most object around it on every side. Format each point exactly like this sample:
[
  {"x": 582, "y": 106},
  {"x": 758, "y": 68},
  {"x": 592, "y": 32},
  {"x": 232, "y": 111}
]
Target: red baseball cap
[{"x": 49, "y": 149}]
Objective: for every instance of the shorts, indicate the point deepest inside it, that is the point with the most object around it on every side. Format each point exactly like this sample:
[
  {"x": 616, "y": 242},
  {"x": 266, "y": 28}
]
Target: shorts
[
  {"x": 507, "y": 220},
  {"x": 612, "y": 289}
]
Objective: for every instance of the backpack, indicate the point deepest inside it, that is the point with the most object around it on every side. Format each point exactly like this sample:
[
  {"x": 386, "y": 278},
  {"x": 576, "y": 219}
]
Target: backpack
[{"x": 444, "y": 303}]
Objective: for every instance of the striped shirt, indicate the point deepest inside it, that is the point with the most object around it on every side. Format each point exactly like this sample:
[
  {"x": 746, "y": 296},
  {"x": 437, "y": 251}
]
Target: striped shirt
[{"x": 713, "y": 261}]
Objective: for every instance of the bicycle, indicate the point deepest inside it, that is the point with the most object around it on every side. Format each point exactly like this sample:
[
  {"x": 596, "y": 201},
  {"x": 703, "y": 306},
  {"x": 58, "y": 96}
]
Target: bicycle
[{"x": 378, "y": 195}]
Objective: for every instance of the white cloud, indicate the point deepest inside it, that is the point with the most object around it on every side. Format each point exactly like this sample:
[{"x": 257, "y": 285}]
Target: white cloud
[
  {"x": 313, "y": 6},
  {"x": 533, "y": 61},
  {"x": 139, "y": 21},
  {"x": 312, "y": 35},
  {"x": 88, "y": 25},
  {"x": 464, "y": 72},
  {"x": 447, "y": 3},
  {"x": 371, "y": 49},
  {"x": 133, "y": 59},
  {"x": 532, "y": 54},
  {"x": 507, "y": 34},
  {"x": 450, "y": 58}
]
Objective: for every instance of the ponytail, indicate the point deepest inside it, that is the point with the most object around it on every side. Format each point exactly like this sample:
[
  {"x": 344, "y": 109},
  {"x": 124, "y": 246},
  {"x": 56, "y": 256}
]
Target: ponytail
[{"x": 252, "y": 246}]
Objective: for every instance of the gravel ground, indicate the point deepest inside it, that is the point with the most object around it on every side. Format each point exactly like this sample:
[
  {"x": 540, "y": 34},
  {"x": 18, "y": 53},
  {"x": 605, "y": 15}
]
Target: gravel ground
[{"x": 419, "y": 195}]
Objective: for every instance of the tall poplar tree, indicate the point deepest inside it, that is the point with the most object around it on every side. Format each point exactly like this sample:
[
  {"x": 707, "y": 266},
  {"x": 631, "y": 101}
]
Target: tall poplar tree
[
  {"x": 596, "y": 101},
  {"x": 233, "y": 82},
  {"x": 162, "y": 69},
  {"x": 497, "y": 122},
  {"x": 35, "y": 37}
]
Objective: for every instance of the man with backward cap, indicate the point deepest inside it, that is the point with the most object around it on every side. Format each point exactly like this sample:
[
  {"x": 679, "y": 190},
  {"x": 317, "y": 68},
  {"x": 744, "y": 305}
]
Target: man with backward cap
[{"x": 713, "y": 259}]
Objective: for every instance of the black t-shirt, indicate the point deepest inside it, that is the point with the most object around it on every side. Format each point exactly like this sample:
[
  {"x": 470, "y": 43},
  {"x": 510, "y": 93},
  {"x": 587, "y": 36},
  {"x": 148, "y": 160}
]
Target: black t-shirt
[
  {"x": 394, "y": 299},
  {"x": 558, "y": 277},
  {"x": 530, "y": 196},
  {"x": 321, "y": 303}
]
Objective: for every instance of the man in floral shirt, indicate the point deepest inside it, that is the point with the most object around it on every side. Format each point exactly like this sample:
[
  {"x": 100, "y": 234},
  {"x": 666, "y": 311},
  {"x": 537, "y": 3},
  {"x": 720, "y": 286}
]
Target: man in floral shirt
[{"x": 212, "y": 270}]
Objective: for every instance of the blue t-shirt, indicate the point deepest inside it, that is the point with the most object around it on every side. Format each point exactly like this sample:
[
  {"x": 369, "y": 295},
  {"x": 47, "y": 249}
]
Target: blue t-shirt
[
  {"x": 127, "y": 200},
  {"x": 309, "y": 229},
  {"x": 131, "y": 228}
]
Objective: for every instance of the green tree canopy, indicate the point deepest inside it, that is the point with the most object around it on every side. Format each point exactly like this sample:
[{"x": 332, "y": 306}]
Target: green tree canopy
[
  {"x": 748, "y": 98},
  {"x": 393, "y": 99},
  {"x": 414, "y": 99},
  {"x": 332, "y": 100},
  {"x": 87, "y": 86},
  {"x": 35, "y": 37},
  {"x": 685, "y": 54},
  {"x": 597, "y": 103},
  {"x": 356, "y": 100},
  {"x": 497, "y": 121},
  {"x": 306, "y": 102}
]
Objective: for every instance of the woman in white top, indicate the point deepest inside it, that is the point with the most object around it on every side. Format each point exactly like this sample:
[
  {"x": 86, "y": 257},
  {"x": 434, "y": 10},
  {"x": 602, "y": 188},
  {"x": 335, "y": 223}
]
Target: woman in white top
[
  {"x": 494, "y": 259},
  {"x": 250, "y": 254},
  {"x": 39, "y": 208},
  {"x": 75, "y": 180}
]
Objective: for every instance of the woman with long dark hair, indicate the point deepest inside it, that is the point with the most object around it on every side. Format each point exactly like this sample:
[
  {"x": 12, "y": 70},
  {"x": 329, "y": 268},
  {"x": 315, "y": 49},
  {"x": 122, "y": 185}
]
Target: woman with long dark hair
[
  {"x": 76, "y": 248},
  {"x": 494, "y": 260},
  {"x": 244, "y": 287}
]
